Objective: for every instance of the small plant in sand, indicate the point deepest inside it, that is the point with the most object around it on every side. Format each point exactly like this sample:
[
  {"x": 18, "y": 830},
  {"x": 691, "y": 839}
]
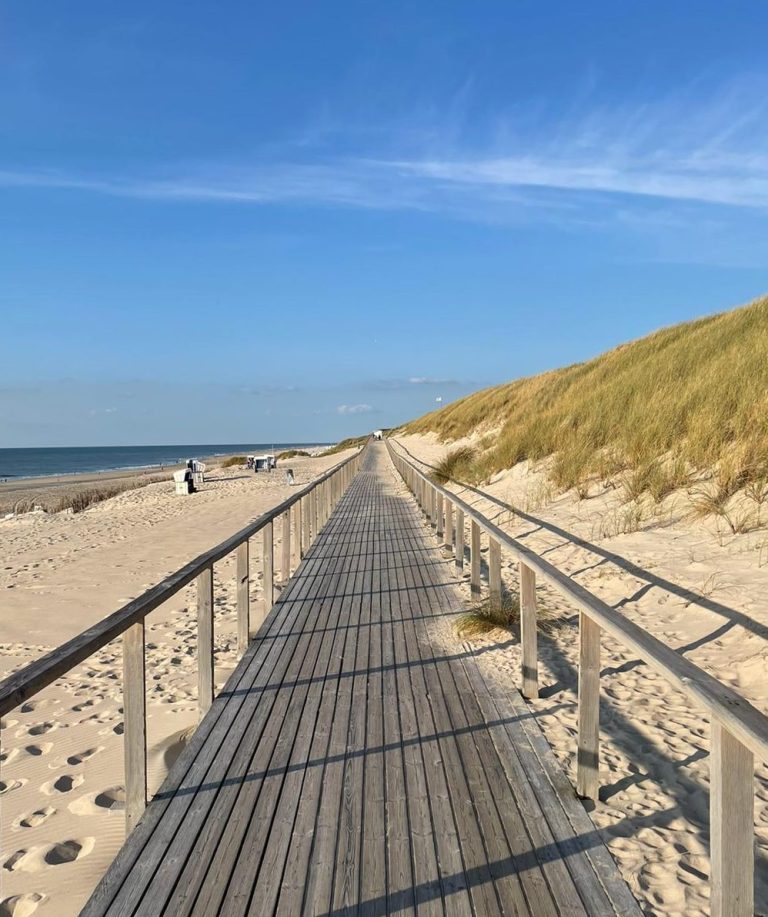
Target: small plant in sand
[{"x": 487, "y": 617}]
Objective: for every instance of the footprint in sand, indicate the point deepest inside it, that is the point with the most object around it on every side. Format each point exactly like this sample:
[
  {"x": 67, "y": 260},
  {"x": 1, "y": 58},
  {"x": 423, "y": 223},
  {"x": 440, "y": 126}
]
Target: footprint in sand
[
  {"x": 7, "y": 756},
  {"x": 64, "y": 784},
  {"x": 31, "y": 705},
  {"x": 112, "y": 799},
  {"x": 36, "y": 818},
  {"x": 37, "y": 750},
  {"x": 36, "y": 858},
  {"x": 41, "y": 729},
  {"x": 69, "y": 851},
  {"x": 7, "y": 786},
  {"x": 74, "y": 760},
  {"x": 21, "y": 905}
]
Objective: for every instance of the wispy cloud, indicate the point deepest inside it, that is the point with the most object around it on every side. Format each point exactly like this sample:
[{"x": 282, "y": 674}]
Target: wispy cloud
[
  {"x": 686, "y": 148},
  {"x": 429, "y": 380},
  {"x": 354, "y": 409}
]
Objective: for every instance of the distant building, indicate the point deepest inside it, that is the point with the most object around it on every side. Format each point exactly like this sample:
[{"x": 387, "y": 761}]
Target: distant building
[{"x": 378, "y": 434}]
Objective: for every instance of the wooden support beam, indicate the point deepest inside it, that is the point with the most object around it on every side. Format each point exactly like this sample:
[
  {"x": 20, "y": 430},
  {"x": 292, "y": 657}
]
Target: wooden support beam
[
  {"x": 448, "y": 541},
  {"x": 305, "y": 510},
  {"x": 286, "y": 565},
  {"x": 243, "y": 597},
  {"x": 459, "y": 539},
  {"x": 439, "y": 516},
  {"x": 135, "y": 724},
  {"x": 528, "y": 632},
  {"x": 474, "y": 559},
  {"x": 494, "y": 572},
  {"x": 298, "y": 552},
  {"x": 205, "y": 640},
  {"x": 588, "y": 755},
  {"x": 732, "y": 825},
  {"x": 268, "y": 569}
]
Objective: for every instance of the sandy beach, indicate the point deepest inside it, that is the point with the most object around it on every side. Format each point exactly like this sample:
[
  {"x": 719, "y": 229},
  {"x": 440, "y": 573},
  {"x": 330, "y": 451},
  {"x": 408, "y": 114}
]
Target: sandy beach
[
  {"x": 689, "y": 585},
  {"x": 61, "y": 783}
]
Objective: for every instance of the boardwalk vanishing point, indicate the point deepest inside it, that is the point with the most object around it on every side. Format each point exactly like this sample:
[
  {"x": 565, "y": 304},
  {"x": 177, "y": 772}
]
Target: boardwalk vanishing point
[
  {"x": 358, "y": 760},
  {"x": 354, "y": 765}
]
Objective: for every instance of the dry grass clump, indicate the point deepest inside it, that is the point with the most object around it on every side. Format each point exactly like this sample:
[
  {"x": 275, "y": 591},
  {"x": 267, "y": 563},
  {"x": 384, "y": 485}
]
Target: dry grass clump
[
  {"x": 488, "y": 616},
  {"x": 293, "y": 453},
  {"x": 75, "y": 498},
  {"x": 352, "y": 442},
  {"x": 697, "y": 392},
  {"x": 234, "y": 460},
  {"x": 458, "y": 465}
]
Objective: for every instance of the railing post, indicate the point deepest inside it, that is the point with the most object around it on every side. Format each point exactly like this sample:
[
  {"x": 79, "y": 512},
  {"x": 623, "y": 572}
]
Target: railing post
[
  {"x": 459, "y": 539},
  {"x": 528, "y": 634},
  {"x": 474, "y": 554},
  {"x": 588, "y": 756},
  {"x": 439, "y": 516},
  {"x": 732, "y": 831},
  {"x": 243, "y": 597},
  {"x": 286, "y": 571},
  {"x": 135, "y": 724},
  {"x": 268, "y": 569},
  {"x": 494, "y": 572},
  {"x": 448, "y": 525},
  {"x": 313, "y": 503},
  {"x": 298, "y": 551},
  {"x": 305, "y": 524},
  {"x": 205, "y": 640}
]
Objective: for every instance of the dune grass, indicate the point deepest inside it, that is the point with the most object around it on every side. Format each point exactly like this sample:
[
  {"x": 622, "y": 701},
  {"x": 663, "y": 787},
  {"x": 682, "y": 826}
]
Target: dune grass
[
  {"x": 458, "y": 465},
  {"x": 353, "y": 442},
  {"x": 234, "y": 460},
  {"x": 486, "y": 617},
  {"x": 77, "y": 498},
  {"x": 686, "y": 399},
  {"x": 293, "y": 453}
]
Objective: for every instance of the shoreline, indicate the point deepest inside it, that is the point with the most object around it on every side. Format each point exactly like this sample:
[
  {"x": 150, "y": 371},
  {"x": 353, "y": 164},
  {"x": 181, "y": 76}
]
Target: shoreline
[
  {"x": 38, "y": 487},
  {"x": 8, "y": 479}
]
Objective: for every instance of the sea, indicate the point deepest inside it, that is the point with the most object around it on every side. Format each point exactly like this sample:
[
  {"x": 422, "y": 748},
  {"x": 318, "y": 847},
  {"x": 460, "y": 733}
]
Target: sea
[{"x": 55, "y": 460}]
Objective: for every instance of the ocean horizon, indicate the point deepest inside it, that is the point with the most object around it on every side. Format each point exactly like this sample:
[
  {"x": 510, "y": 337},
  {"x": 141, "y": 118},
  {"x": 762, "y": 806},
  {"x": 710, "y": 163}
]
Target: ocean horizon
[{"x": 59, "y": 460}]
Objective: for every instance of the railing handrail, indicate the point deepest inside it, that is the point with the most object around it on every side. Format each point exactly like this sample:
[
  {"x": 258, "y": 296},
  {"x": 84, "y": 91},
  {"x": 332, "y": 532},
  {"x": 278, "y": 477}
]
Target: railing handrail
[
  {"x": 32, "y": 678},
  {"x": 730, "y": 709}
]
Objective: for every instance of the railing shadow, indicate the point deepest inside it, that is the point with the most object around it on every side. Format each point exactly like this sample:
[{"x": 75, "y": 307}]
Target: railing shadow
[{"x": 732, "y": 615}]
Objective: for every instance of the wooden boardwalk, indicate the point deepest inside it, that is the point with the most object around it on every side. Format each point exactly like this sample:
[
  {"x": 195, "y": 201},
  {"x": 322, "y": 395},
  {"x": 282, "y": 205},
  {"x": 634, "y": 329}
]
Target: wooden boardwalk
[{"x": 353, "y": 764}]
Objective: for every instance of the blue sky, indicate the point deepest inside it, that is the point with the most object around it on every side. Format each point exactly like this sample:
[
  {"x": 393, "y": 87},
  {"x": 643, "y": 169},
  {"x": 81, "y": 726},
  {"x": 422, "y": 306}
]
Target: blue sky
[{"x": 224, "y": 222}]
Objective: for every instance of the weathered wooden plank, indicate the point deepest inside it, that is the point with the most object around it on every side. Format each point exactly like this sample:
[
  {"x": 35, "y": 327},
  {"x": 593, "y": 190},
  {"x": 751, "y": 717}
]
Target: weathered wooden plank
[
  {"x": 205, "y": 684},
  {"x": 588, "y": 754},
  {"x": 242, "y": 568},
  {"x": 285, "y": 573},
  {"x": 474, "y": 559},
  {"x": 732, "y": 832},
  {"x": 135, "y": 724},
  {"x": 459, "y": 539},
  {"x": 268, "y": 569},
  {"x": 528, "y": 634},
  {"x": 494, "y": 572}
]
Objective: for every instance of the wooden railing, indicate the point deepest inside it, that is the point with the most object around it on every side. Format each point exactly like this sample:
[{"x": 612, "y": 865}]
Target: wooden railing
[
  {"x": 739, "y": 730},
  {"x": 310, "y": 509}
]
